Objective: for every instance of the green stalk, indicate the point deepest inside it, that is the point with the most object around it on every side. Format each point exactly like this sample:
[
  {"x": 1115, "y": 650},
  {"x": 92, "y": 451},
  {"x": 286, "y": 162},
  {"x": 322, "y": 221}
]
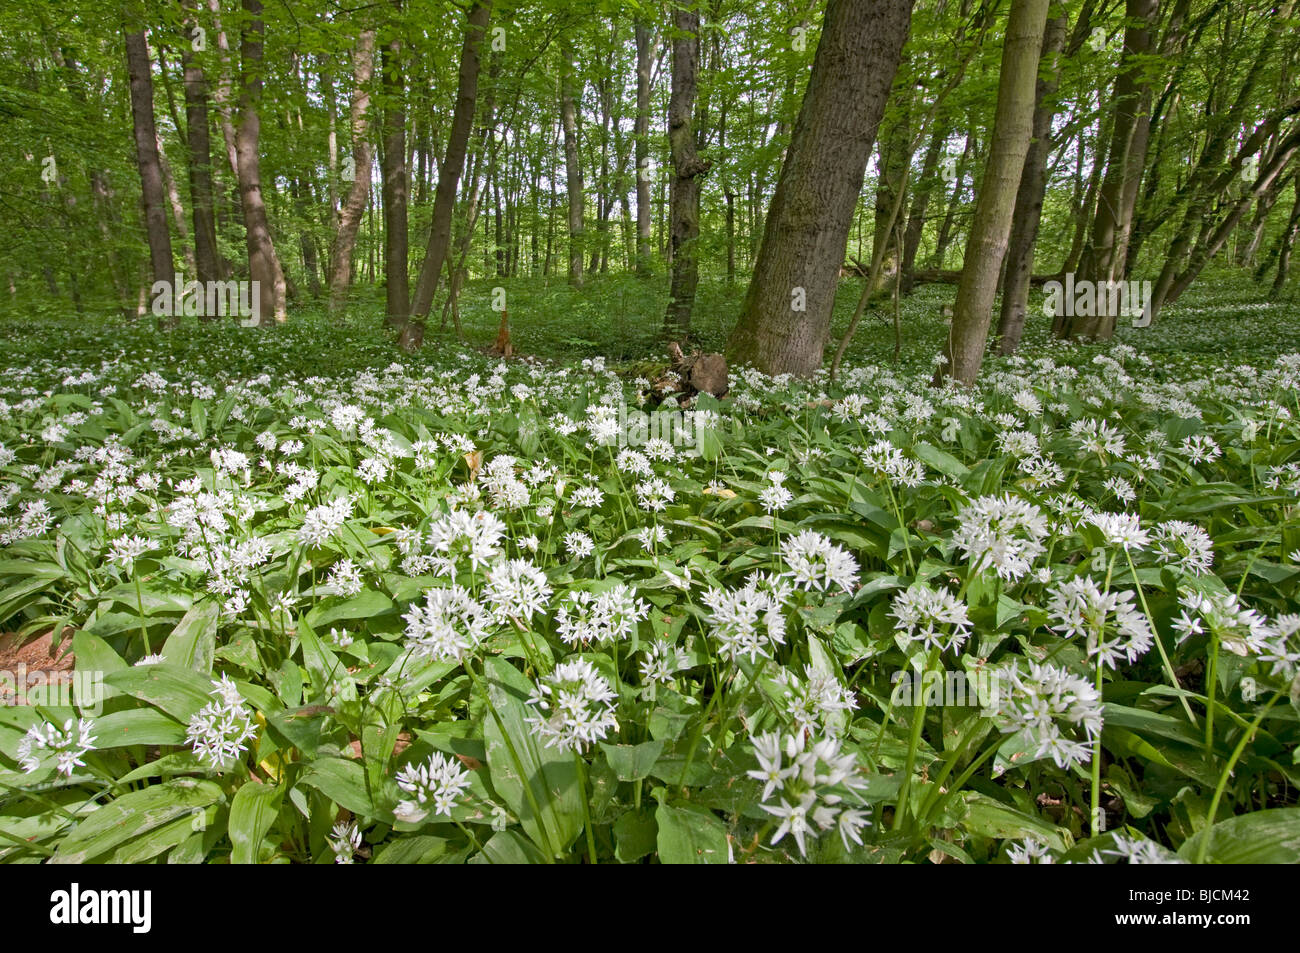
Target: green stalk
[
  {"x": 586, "y": 806},
  {"x": 1246, "y": 736}
]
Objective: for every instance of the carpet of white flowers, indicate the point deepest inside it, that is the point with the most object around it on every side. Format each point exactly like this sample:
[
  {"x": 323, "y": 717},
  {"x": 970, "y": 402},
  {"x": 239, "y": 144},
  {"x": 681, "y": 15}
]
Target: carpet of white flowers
[{"x": 381, "y": 609}]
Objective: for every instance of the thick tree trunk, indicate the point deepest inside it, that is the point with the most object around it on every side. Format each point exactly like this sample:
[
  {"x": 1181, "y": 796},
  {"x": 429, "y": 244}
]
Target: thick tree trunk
[
  {"x": 786, "y": 315},
  {"x": 358, "y": 197},
  {"x": 397, "y": 291},
  {"x": 572, "y": 171},
  {"x": 449, "y": 173},
  {"x": 1012, "y": 130},
  {"x": 263, "y": 263},
  {"x": 139, "y": 69},
  {"x": 1029, "y": 197},
  {"x": 684, "y": 224},
  {"x": 197, "y": 139}
]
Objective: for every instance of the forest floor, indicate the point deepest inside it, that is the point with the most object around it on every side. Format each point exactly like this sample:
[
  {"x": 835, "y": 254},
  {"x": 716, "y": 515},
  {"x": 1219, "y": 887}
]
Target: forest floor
[{"x": 324, "y": 594}]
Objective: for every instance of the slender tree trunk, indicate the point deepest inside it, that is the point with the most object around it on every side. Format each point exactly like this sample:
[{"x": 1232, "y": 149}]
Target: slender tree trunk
[
  {"x": 572, "y": 171},
  {"x": 786, "y": 315},
  {"x": 358, "y": 196},
  {"x": 449, "y": 173},
  {"x": 263, "y": 263},
  {"x": 397, "y": 292},
  {"x": 958, "y": 186},
  {"x": 684, "y": 227},
  {"x": 207, "y": 264},
  {"x": 920, "y": 203},
  {"x": 1012, "y": 130},
  {"x": 1029, "y": 197},
  {"x": 1103, "y": 256},
  {"x": 139, "y": 69},
  {"x": 644, "y": 55},
  {"x": 1287, "y": 242}
]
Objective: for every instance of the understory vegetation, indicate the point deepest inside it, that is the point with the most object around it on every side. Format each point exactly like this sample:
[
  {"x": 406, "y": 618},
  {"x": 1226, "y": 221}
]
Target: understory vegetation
[{"x": 331, "y": 602}]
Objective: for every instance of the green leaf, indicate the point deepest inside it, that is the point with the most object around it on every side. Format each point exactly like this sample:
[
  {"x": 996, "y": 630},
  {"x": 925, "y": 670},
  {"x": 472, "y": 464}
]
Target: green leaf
[
  {"x": 252, "y": 812},
  {"x": 194, "y": 640},
  {"x": 509, "y": 847},
  {"x": 137, "y": 726},
  {"x": 343, "y": 782},
  {"x": 133, "y": 814},
  {"x": 690, "y": 835},
  {"x": 178, "y": 691},
  {"x": 538, "y": 784},
  {"x": 1264, "y": 837},
  {"x": 633, "y": 762}
]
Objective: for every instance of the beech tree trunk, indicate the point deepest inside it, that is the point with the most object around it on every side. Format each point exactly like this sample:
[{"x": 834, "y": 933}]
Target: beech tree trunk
[
  {"x": 1029, "y": 197},
  {"x": 684, "y": 223},
  {"x": 139, "y": 68},
  {"x": 397, "y": 291},
  {"x": 786, "y": 315},
  {"x": 207, "y": 264},
  {"x": 1104, "y": 255},
  {"x": 449, "y": 173},
  {"x": 263, "y": 263},
  {"x": 1012, "y": 130},
  {"x": 358, "y": 196},
  {"x": 572, "y": 171},
  {"x": 644, "y": 54}
]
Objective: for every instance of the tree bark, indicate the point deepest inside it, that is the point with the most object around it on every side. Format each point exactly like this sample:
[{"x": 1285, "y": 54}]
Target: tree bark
[
  {"x": 263, "y": 262},
  {"x": 1029, "y": 197},
  {"x": 397, "y": 291},
  {"x": 207, "y": 264},
  {"x": 644, "y": 55},
  {"x": 1012, "y": 130},
  {"x": 139, "y": 69},
  {"x": 449, "y": 173},
  {"x": 1103, "y": 256},
  {"x": 572, "y": 171},
  {"x": 358, "y": 197},
  {"x": 684, "y": 224},
  {"x": 786, "y": 316}
]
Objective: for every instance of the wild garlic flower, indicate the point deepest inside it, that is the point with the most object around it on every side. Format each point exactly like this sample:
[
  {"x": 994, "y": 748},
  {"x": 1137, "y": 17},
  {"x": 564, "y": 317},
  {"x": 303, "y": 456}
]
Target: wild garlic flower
[
  {"x": 220, "y": 730},
  {"x": 579, "y": 544},
  {"x": 435, "y": 786},
  {"x": 1113, "y": 626},
  {"x": 68, "y": 744},
  {"x": 610, "y": 616},
  {"x": 1003, "y": 533},
  {"x": 810, "y": 783},
  {"x": 1122, "y": 529},
  {"x": 817, "y": 563},
  {"x": 464, "y": 536},
  {"x": 573, "y": 706},
  {"x": 662, "y": 660},
  {"x": 934, "y": 617},
  {"x": 344, "y": 841},
  {"x": 1041, "y": 702},
  {"x": 516, "y": 587},
  {"x": 1239, "y": 629},
  {"x": 1185, "y": 547},
  {"x": 746, "y": 621},
  {"x": 449, "y": 626},
  {"x": 1140, "y": 850},
  {"x": 814, "y": 701},
  {"x": 321, "y": 522}
]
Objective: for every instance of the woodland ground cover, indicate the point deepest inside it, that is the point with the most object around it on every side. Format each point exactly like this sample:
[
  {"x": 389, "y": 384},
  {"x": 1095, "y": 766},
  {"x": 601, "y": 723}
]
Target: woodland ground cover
[{"x": 342, "y": 604}]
